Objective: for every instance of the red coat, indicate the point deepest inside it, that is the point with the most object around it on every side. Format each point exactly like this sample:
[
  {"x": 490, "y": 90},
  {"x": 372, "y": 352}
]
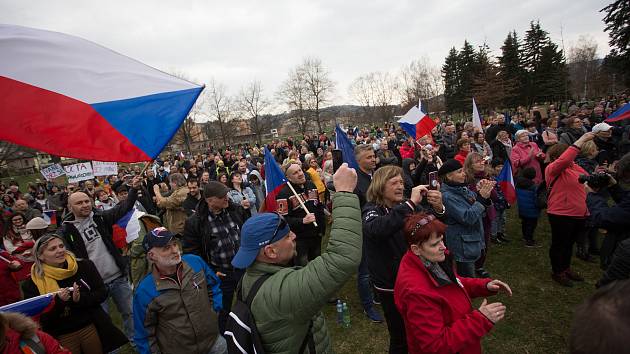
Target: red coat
[
  {"x": 10, "y": 290},
  {"x": 27, "y": 328},
  {"x": 439, "y": 319},
  {"x": 407, "y": 151}
]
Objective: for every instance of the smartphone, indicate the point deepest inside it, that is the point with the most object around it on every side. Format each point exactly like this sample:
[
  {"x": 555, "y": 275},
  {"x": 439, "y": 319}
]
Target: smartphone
[
  {"x": 337, "y": 158},
  {"x": 433, "y": 180}
]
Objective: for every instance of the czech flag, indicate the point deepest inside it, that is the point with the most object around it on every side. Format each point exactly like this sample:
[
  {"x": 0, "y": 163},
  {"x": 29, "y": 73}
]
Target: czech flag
[
  {"x": 50, "y": 216},
  {"x": 347, "y": 149},
  {"x": 71, "y": 97},
  {"x": 32, "y": 307},
  {"x": 622, "y": 113},
  {"x": 505, "y": 179},
  {"x": 274, "y": 181},
  {"x": 416, "y": 123},
  {"x": 127, "y": 228}
]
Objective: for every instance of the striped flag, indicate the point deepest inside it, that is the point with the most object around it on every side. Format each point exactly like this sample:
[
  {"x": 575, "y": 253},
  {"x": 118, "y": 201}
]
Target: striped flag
[
  {"x": 622, "y": 113},
  {"x": 274, "y": 181},
  {"x": 505, "y": 179},
  {"x": 347, "y": 149},
  {"x": 127, "y": 228},
  {"x": 32, "y": 307}
]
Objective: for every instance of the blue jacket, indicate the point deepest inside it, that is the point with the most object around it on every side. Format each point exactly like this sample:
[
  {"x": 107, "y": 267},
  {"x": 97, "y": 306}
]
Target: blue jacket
[
  {"x": 177, "y": 317},
  {"x": 464, "y": 232},
  {"x": 526, "y": 200}
]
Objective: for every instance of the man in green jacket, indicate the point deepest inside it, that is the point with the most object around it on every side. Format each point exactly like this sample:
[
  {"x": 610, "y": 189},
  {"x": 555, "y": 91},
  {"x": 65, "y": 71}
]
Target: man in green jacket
[{"x": 292, "y": 297}]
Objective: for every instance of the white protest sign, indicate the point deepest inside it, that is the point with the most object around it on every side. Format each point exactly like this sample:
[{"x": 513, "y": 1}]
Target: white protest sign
[
  {"x": 53, "y": 171},
  {"x": 104, "y": 168},
  {"x": 79, "y": 172}
]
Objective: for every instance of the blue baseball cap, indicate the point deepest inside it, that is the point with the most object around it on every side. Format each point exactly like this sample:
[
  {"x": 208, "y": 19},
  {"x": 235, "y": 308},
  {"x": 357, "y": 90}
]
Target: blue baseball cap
[
  {"x": 259, "y": 231},
  {"x": 158, "y": 237}
]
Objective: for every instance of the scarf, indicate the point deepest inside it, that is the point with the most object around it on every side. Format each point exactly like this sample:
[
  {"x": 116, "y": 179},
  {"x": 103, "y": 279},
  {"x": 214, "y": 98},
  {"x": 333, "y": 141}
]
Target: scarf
[{"x": 48, "y": 283}]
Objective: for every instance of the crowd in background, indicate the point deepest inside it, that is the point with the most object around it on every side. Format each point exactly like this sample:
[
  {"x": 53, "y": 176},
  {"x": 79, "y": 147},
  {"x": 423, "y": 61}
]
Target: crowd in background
[{"x": 204, "y": 201}]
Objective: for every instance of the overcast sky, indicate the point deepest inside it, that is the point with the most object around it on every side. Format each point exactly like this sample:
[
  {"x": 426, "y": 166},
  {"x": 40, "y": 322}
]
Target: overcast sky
[{"x": 238, "y": 41}]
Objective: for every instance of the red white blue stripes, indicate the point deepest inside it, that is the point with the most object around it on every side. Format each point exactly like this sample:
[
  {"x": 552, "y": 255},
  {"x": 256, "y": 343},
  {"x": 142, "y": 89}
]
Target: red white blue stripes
[{"x": 72, "y": 97}]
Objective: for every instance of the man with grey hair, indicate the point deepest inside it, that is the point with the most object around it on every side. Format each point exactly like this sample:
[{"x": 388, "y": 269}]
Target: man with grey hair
[{"x": 175, "y": 215}]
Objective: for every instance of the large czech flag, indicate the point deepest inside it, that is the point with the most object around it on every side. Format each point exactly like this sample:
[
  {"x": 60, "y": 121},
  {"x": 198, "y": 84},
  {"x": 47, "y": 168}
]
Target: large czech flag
[
  {"x": 274, "y": 182},
  {"x": 72, "y": 97},
  {"x": 32, "y": 307},
  {"x": 416, "y": 123},
  {"x": 622, "y": 113}
]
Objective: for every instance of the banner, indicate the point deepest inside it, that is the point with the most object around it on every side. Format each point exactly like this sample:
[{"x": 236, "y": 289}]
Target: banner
[
  {"x": 79, "y": 172},
  {"x": 104, "y": 168},
  {"x": 53, "y": 171}
]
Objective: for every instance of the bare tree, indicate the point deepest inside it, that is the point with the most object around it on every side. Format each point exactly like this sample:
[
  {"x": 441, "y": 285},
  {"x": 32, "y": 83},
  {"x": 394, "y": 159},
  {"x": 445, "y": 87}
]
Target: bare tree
[
  {"x": 583, "y": 66},
  {"x": 319, "y": 86},
  {"x": 190, "y": 131},
  {"x": 419, "y": 80},
  {"x": 253, "y": 104},
  {"x": 294, "y": 92},
  {"x": 363, "y": 93},
  {"x": 8, "y": 150},
  {"x": 220, "y": 108}
]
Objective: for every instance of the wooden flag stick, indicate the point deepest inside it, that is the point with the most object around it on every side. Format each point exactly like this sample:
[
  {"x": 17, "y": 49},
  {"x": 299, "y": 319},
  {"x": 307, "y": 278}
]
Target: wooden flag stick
[
  {"x": 301, "y": 202},
  {"x": 146, "y": 165},
  {"x": 4, "y": 259}
]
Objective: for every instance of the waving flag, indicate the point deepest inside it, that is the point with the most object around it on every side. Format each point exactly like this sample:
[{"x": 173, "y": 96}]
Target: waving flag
[
  {"x": 31, "y": 307},
  {"x": 505, "y": 179},
  {"x": 622, "y": 113},
  {"x": 476, "y": 118},
  {"x": 50, "y": 216},
  {"x": 347, "y": 150},
  {"x": 274, "y": 181},
  {"x": 127, "y": 228},
  {"x": 72, "y": 97},
  {"x": 416, "y": 123}
]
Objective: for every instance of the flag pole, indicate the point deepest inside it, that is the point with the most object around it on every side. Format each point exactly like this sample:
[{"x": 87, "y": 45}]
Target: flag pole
[
  {"x": 301, "y": 202},
  {"x": 4, "y": 259},
  {"x": 146, "y": 166}
]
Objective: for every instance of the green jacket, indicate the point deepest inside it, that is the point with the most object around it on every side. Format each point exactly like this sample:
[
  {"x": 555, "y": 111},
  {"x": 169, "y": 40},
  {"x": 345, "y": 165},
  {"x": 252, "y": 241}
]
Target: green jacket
[{"x": 291, "y": 297}]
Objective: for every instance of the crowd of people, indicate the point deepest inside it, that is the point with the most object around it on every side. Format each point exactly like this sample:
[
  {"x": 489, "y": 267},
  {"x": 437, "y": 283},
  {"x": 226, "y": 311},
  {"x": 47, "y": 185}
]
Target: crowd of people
[{"x": 416, "y": 221}]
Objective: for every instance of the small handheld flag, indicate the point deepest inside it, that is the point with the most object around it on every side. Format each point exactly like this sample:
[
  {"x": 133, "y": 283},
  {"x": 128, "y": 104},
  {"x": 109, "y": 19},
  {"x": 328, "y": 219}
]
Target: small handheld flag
[
  {"x": 505, "y": 179},
  {"x": 416, "y": 123},
  {"x": 34, "y": 306},
  {"x": 347, "y": 150},
  {"x": 476, "y": 118},
  {"x": 274, "y": 181},
  {"x": 622, "y": 113}
]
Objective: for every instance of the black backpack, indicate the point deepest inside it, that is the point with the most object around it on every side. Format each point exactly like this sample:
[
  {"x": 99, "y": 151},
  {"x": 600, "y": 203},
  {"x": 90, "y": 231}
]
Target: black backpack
[{"x": 241, "y": 332}]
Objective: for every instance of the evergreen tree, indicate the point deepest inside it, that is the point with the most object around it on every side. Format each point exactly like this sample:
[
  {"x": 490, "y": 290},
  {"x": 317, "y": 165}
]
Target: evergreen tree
[
  {"x": 550, "y": 75},
  {"x": 466, "y": 63},
  {"x": 617, "y": 22},
  {"x": 450, "y": 73},
  {"x": 488, "y": 88},
  {"x": 511, "y": 71}
]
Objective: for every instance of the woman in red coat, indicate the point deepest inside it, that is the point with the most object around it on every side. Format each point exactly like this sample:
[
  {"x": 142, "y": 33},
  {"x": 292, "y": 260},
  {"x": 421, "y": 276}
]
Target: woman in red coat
[{"x": 434, "y": 302}]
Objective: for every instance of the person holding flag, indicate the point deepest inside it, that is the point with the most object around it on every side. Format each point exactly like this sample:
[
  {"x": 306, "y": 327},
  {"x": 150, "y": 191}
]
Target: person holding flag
[{"x": 76, "y": 318}]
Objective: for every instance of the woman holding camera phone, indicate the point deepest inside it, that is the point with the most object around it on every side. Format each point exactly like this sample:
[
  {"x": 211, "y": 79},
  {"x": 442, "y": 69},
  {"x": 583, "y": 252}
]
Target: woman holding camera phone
[
  {"x": 566, "y": 207},
  {"x": 76, "y": 319}
]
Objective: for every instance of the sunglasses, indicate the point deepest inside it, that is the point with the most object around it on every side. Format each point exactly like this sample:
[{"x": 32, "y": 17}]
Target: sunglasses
[{"x": 282, "y": 223}]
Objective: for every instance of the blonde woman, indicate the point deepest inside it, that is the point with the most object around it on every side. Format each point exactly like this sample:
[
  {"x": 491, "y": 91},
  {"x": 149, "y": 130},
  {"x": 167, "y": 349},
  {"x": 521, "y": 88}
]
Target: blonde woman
[{"x": 76, "y": 319}]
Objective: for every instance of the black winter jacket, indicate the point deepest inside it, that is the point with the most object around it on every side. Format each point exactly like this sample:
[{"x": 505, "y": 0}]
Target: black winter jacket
[
  {"x": 289, "y": 207},
  {"x": 619, "y": 268},
  {"x": 198, "y": 238},
  {"x": 384, "y": 240},
  {"x": 69, "y": 316},
  {"x": 104, "y": 220}
]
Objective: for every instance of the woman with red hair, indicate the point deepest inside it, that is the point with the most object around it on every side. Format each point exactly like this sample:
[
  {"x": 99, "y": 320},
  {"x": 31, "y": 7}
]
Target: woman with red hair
[{"x": 434, "y": 302}]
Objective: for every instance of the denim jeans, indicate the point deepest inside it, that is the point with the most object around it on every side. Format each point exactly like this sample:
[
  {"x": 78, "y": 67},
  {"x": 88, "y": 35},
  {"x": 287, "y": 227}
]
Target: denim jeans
[
  {"x": 363, "y": 283},
  {"x": 219, "y": 346},
  {"x": 120, "y": 291}
]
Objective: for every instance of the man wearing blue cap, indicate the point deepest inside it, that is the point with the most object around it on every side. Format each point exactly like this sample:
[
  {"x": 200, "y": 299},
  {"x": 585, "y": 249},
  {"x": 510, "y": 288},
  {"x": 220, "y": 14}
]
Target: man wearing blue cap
[
  {"x": 173, "y": 312},
  {"x": 287, "y": 307}
]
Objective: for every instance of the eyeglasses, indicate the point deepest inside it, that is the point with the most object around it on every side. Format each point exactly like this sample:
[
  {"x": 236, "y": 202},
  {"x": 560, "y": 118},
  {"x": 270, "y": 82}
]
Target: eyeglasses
[{"x": 422, "y": 222}]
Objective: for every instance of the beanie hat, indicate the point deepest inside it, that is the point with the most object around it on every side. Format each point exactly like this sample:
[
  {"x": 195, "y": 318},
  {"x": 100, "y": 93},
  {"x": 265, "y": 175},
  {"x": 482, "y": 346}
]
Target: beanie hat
[
  {"x": 259, "y": 231},
  {"x": 519, "y": 132},
  {"x": 449, "y": 166},
  {"x": 36, "y": 223},
  {"x": 215, "y": 189}
]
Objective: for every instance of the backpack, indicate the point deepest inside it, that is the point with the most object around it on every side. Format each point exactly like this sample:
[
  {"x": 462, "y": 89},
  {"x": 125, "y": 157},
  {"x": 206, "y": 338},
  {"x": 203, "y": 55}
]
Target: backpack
[{"x": 241, "y": 332}]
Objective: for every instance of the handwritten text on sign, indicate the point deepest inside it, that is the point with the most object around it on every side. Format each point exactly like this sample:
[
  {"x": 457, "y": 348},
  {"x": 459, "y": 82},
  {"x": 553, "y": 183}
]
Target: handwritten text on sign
[
  {"x": 79, "y": 172},
  {"x": 104, "y": 168},
  {"x": 53, "y": 171}
]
